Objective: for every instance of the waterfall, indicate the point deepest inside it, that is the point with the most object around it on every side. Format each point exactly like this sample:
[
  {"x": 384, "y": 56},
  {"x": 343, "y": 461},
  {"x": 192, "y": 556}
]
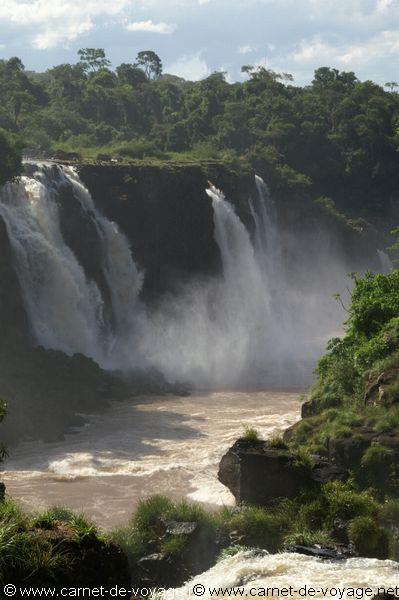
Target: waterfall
[
  {"x": 67, "y": 309},
  {"x": 267, "y": 240},
  {"x": 213, "y": 333},
  {"x": 386, "y": 263},
  {"x": 262, "y": 321}
]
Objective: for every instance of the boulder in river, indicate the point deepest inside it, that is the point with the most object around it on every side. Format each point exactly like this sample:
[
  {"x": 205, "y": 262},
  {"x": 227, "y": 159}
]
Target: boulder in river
[{"x": 258, "y": 473}]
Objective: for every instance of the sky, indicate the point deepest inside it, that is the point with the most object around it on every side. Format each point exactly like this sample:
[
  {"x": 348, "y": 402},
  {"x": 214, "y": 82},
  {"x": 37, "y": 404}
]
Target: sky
[{"x": 196, "y": 37}]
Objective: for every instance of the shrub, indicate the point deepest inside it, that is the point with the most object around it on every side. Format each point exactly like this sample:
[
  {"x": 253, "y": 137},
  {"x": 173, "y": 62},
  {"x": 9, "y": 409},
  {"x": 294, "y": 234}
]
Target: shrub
[
  {"x": 146, "y": 531},
  {"x": 344, "y": 502},
  {"x": 149, "y": 511},
  {"x": 52, "y": 516},
  {"x": 173, "y": 545},
  {"x": 256, "y": 526},
  {"x": 251, "y": 435},
  {"x": 138, "y": 148},
  {"x": 368, "y": 537},
  {"x": 389, "y": 513},
  {"x": 278, "y": 442},
  {"x": 387, "y": 423},
  {"x": 305, "y": 537},
  {"x": 312, "y": 514},
  {"x": 378, "y": 463}
]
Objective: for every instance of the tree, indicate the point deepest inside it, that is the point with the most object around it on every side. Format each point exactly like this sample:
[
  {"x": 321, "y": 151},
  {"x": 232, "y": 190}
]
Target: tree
[
  {"x": 130, "y": 74},
  {"x": 150, "y": 62},
  {"x": 67, "y": 81},
  {"x": 93, "y": 59},
  {"x": 392, "y": 85},
  {"x": 10, "y": 167}
]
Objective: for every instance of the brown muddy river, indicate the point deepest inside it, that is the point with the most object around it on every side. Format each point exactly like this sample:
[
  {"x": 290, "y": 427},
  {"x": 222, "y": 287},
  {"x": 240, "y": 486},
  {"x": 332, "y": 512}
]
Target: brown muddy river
[{"x": 166, "y": 445}]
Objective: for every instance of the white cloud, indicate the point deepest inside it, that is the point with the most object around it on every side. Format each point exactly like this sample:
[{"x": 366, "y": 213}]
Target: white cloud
[
  {"x": 353, "y": 55},
  {"x": 150, "y": 27},
  {"x": 191, "y": 67},
  {"x": 58, "y": 21},
  {"x": 246, "y": 49}
]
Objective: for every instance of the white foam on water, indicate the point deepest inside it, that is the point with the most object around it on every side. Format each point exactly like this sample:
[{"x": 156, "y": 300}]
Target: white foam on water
[{"x": 251, "y": 570}]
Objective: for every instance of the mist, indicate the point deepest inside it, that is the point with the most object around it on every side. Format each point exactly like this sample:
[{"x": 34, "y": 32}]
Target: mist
[{"x": 262, "y": 322}]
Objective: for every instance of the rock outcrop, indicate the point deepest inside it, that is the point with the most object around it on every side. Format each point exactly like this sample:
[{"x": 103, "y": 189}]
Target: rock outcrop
[
  {"x": 167, "y": 569},
  {"x": 258, "y": 473},
  {"x": 44, "y": 389}
]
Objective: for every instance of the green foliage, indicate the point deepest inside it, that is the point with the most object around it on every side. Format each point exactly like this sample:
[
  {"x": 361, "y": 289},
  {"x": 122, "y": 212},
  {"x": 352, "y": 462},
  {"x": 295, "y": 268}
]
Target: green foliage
[
  {"x": 173, "y": 545},
  {"x": 344, "y": 502},
  {"x": 257, "y": 526},
  {"x": 306, "y": 520},
  {"x": 368, "y": 537},
  {"x": 231, "y": 551},
  {"x": 150, "y": 62},
  {"x": 348, "y": 393},
  {"x": 333, "y": 140},
  {"x": 93, "y": 59},
  {"x": 278, "y": 442},
  {"x": 379, "y": 464},
  {"x": 375, "y": 301},
  {"x": 146, "y": 531},
  {"x": 304, "y": 537},
  {"x": 56, "y": 546},
  {"x": 389, "y": 513},
  {"x": 251, "y": 435}
]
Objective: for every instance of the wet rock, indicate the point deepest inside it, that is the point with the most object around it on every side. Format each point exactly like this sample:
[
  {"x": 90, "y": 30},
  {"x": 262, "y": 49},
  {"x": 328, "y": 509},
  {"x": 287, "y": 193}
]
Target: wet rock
[
  {"x": 327, "y": 553},
  {"x": 181, "y": 528},
  {"x": 308, "y": 409},
  {"x": 339, "y": 532},
  {"x": 45, "y": 389},
  {"x": 157, "y": 569},
  {"x": 257, "y": 473},
  {"x": 166, "y": 215},
  {"x": 200, "y": 546},
  {"x": 324, "y": 472},
  {"x": 2, "y": 492},
  {"x": 376, "y": 392}
]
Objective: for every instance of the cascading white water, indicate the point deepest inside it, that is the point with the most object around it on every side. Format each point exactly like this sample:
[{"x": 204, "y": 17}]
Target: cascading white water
[
  {"x": 124, "y": 281},
  {"x": 248, "y": 326},
  {"x": 267, "y": 240},
  {"x": 210, "y": 334},
  {"x": 66, "y": 309},
  {"x": 254, "y": 572},
  {"x": 386, "y": 263}
]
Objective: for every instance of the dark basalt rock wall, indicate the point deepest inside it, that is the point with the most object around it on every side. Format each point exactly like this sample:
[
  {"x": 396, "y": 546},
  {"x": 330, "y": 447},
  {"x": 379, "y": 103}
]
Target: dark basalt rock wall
[
  {"x": 167, "y": 215},
  {"x": 14, "y": 327}
]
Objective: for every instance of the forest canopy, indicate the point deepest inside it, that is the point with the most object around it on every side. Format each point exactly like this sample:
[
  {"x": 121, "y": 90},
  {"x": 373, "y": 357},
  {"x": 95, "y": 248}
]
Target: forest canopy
[{"x": 337, "y": 137}]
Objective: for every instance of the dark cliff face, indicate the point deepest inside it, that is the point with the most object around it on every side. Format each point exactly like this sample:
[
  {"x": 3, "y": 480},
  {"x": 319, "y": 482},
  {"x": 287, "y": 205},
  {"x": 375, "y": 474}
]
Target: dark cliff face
[
  {"x": 168, "y": 219},
  {"x": 166, "y": 215},
  {"x": 14, "y": 328}
]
